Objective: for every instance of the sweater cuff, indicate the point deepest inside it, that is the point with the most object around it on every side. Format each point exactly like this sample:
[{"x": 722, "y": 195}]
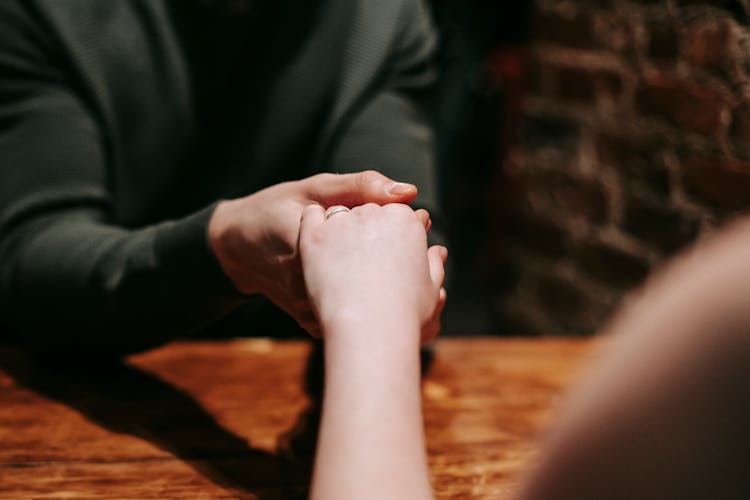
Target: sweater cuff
[{"x": 183, "y": 248}]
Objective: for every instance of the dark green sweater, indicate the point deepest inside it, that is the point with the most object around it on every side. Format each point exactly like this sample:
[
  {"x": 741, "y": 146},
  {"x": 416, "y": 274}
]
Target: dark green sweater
[{"x": 114, "y": 147}]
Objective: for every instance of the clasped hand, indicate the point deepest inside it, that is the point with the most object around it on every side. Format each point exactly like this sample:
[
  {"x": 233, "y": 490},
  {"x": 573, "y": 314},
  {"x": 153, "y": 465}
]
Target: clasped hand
[
  {"x": 372, "y": 264},
  {"x": 256, "y": 241}
]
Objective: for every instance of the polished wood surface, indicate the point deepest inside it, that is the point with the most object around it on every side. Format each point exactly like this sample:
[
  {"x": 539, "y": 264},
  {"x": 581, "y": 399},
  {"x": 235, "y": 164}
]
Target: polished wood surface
[{"x": 237, "y": 419}]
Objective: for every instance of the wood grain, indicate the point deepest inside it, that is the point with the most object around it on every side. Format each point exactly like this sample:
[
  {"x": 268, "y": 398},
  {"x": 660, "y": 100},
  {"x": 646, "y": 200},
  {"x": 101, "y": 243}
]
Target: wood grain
[{"x": 237, "y": 419}]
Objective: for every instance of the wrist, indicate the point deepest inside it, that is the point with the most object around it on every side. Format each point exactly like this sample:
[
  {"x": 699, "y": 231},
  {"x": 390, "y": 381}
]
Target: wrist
[
  {"x": 378, "y": 351},
  {"x": 229, "y": 246},
  {"x": 396, "y": 323}
]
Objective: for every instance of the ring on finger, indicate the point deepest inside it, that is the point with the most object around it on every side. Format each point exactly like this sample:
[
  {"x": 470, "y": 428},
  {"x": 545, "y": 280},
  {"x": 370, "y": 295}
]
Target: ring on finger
[{"x": 337, "y": 209}]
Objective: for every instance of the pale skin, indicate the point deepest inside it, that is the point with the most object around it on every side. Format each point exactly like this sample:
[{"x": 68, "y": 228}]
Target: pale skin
[
  {"x": 665, "y": 412},
  {"x": 662, "y": 414},
  {"x": 376, "y": 288},
  {"x": 255, "y": 237}
]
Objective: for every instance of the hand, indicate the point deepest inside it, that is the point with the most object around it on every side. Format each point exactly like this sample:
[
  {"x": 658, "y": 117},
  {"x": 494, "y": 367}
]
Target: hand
[
  {"x": 255, "y": 238},
  {"x": 371, "y": 264}
]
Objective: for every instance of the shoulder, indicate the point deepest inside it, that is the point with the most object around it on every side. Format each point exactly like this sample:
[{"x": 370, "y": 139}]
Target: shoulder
[
  {"x": 95, "y": 46},
  {"x": 391, "y": 18},
  {"x": 48, "y": 31},
  {"x": 23, "y": 39},
  {"x": 404, "y": 32},
  {"x": 392, "y": 30},
  {"x": 59, "y": 23}
]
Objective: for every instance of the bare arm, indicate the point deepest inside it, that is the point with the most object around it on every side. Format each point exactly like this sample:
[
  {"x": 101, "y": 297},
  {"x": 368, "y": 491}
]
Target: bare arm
[
  {"x": 664, "y": 413},
  {"x": 371, "y": 442},
  {"x": 373, "y": 285}
]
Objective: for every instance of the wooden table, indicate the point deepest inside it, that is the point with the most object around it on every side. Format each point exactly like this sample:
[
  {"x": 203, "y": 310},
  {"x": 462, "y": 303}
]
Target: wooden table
[{"x": 237, "y": 419}]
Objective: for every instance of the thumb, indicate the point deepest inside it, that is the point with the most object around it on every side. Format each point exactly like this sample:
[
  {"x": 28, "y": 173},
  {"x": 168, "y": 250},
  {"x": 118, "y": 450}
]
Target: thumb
[
  {"x": 312, "y": 216},
  {"x": 357, "y": 189},
  {"x": 436, "y": 257}
]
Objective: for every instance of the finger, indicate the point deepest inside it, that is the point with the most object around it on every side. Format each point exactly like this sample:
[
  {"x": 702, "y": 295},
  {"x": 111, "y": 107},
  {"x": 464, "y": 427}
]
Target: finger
[
  {"x": 424, "y": 217},
  {"x": 442, "y": 299},
  {"x": 443, "y": 253},
  {"x": 436, "y": 256},
  {"x": 430, "y": 332},
  {"x": 432, "y": 329},
  {"x": 357, "y": 189},
  {"x": 335, "y": 210},
  {"x": 312, "y": 216}
]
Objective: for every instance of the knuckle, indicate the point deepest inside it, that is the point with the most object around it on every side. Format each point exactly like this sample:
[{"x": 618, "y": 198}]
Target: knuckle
[
  {"x": 368, "y": 207},
  {"x": 399, "y": 209},
  {"x": 323, "y": 178},
  {"x": 366, "y": 178},
  {"x": 369, "y": 176}
]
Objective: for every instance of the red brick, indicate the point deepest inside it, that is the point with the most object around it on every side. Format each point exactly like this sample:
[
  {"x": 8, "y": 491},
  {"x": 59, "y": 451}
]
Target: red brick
[
  {"x": 723, "y": 183},
  {"x": 736, "y": 8},
  {"x": 638, "y": 159},
  {"x": 663, "y": 38},
  {"x": 739, "y": 130},
  {"x": 559, "y": 297},
  {"x": 710, "y": 44},
  {"x": 611, "y": 266},
  {"x": 576, "y": 31},
  {"x": 575, "y": 84},
  {"x": 690, "y": 70},
  {"x": 688, "y": 105},
  {"x": 616, "y": 33},
  {"x": 658, "y": 224},
  {"x": 609, "y": 83},
  {"x": 584, "y": 85},
  {"x": 568, "y": 306},
  {"x": 546, "y": 132},
  {"x": 538, "y": 235},
  {"x": 565, "y": 197}
]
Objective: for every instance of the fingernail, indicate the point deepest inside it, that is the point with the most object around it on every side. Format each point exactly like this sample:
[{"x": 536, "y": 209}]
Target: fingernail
[{"x": 400, "y": 188}]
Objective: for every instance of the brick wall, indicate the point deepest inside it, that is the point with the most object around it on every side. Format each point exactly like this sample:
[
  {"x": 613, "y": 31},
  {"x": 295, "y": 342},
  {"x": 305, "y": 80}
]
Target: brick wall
[{"x": 635, "y": 141}]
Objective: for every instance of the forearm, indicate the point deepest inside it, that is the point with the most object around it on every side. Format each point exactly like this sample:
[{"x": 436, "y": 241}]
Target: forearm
[
  {"x": 371, "y": 442},
  {"x": 669, "y": 394},
  {"x": 73, "y": 282}
]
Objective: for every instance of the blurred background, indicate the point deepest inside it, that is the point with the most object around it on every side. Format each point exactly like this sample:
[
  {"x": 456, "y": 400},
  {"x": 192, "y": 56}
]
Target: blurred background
[{"x": 581, "y": 144}]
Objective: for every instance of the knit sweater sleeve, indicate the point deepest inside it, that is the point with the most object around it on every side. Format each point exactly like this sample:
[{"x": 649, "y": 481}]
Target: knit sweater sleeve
[
  {"x": 389, "y": 127},
  {"x": 71, "y": 277}
]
